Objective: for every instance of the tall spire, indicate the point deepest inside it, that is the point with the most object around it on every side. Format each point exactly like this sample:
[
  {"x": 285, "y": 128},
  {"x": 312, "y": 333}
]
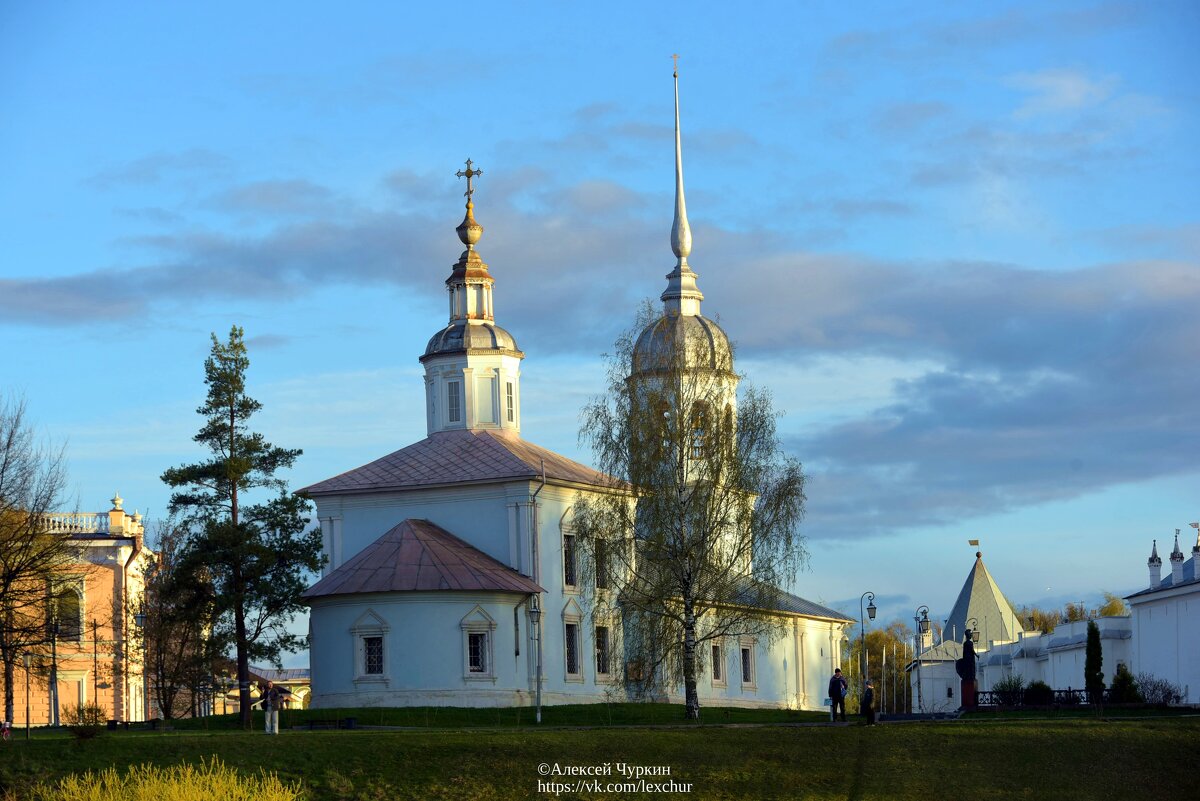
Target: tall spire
[
  {"x": 682, "y": 296},
  {"x": 681, "y": 232}
]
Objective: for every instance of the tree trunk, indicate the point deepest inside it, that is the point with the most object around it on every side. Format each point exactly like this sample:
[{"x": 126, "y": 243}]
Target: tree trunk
[
  {"x": 243, "y": 659},
  {"x": 692, "y": 697},
  {"x": 9, "y": 702}
]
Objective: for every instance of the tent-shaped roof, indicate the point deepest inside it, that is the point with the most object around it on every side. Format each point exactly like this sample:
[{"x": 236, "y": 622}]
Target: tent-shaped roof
[
  {"x": 457, "y": 457},
  {"x": 982, "y": 603},
  {"x": 418, "y": 556}
]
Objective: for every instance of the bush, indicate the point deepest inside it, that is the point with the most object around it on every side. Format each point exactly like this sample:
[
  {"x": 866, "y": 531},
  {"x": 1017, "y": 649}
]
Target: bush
[
  {"x": 210, "y": 780},
  {"x": 1039, "y": 693},
  {"x": 85, "y": 721},
  {"x": 1158, "y": 691},
  {"x": 1124, "y": 688},
  {"x": 1009, "y": 690}
]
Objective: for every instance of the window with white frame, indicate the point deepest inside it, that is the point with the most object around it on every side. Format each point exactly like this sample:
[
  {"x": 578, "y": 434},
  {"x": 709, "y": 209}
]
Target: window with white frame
[
  {"x": 372, "y": 656},
  {"x": 569, "y": 564},
  {"x": 478, "y": 629},
  {"x": 602, "y": 652},
  {"x": 718, "y": 665},
  {"x": 747, "y": 662},
  {"x": 510, "y": 402},
  {"x": 454, "y": 401},
  {"x": 571, "y": 647},
  {"x": 601, "y": 564},
  {"x": 369, "y": 634},
  {"x": 477, "y": 651}
]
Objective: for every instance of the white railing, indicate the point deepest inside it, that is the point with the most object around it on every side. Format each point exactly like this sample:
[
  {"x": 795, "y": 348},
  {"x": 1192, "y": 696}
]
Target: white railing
[{"x": 77, "y": 522}]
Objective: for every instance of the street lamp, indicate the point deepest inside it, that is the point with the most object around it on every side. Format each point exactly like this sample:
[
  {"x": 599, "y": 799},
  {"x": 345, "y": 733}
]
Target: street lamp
[
  {"x": 862, "y": 656},
  {"x": 921, "y": 618},
  {"x": 54, "y": 721},
  {"x": 535, "y": 616},
  {"x": 139, "y": 620},
  {"x": 26, "y": 659},
  {"x": 973, "y": 629}
]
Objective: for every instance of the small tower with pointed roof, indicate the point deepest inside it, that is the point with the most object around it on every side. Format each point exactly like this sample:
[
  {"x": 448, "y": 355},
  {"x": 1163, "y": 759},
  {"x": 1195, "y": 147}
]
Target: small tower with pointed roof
[
  {"x": 1176, "y": 562},
  {"x": 472, "y": 366},
  {"x": 1155, "y": 565},
  {"x": 982, "y": 605}
]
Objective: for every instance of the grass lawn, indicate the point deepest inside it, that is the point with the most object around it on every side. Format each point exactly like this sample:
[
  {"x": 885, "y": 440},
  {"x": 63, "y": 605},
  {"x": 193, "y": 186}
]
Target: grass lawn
[{"x": 1084, "y": 759}]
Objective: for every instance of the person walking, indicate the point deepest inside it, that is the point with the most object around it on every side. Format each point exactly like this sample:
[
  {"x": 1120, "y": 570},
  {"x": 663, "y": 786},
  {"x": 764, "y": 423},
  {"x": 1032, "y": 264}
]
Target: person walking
[
  {"x": 837, "y": 693},
  {"x": 868, "y": 703},
  {"x": 270, "y": 703}
]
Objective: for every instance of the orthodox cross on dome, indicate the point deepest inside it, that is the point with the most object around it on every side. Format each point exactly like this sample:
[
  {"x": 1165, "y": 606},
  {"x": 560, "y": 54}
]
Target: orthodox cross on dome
[
  {"x": 469, "y": 173},
  {"x": 675, "y": 61}
]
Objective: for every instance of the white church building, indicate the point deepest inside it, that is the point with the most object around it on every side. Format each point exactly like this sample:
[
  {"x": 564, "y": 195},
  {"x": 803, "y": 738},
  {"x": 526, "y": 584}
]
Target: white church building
[{"x": 450, "y": 561}]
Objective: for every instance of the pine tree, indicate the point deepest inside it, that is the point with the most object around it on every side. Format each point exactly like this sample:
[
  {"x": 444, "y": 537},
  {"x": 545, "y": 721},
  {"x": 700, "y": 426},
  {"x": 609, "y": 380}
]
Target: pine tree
[
  {"x": 253, "y": 558},
  {"x": 1093, "y": 660}
]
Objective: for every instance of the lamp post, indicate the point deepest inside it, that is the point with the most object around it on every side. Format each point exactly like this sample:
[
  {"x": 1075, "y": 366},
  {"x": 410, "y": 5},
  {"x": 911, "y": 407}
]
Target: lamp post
[
  {"x": 862, "y": 656},
  {"x": 921, "y": 618},
  {"x": 973, "y": 628},
  {"x": 535, "y": 617},
  {"x": 139, "y": 620},
  {"x": 54, "y": 721},
  {"x": 26, "y": 659}
]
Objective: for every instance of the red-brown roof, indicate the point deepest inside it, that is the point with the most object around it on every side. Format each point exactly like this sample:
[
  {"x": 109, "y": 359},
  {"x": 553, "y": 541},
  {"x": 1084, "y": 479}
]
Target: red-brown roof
[
  {"x": 455, "y": 457},
  {"x": 419, "y": 556}
]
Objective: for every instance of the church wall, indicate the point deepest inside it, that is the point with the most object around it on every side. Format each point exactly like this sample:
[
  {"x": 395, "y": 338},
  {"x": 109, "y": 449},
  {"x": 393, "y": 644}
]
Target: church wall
[
  {"x": 425, "y": 660},
  {"x": 1166, "y": 639}
]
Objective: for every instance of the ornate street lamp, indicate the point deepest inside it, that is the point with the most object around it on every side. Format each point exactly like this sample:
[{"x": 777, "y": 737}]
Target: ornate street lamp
[
  {"x": 921, "y": 618},
  {"x": 862, "y": 656},
  {"x": 535, "y": 616},
  {"x": 26, "y": 659},
  {"x": 139, "y": 620},
  {"x": 973, "y": 629},
  {"x": 54, "y": 721}
]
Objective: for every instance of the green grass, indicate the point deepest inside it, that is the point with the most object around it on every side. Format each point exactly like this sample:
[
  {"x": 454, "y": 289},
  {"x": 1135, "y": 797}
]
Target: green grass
[
  {"x": 466, "y": 717},
  {"x": 1085, "y": 759}
]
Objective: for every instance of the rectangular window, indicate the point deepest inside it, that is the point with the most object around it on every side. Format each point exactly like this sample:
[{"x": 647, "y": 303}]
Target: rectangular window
[
  {"x": 717, "y": 666},
  {"x": 572, "y": 649},
  {"x": 510, "y": 403},
  {"x": 373, "y": 656},
  {"x": 454, "y": 402},
  {"x": 569, "y": 560},
  {"x": 601, "y": 650},
  {"x": 601, "y": 565},
  {"x": 747, "y": 667},
  {"x": 477, "y": 652}
]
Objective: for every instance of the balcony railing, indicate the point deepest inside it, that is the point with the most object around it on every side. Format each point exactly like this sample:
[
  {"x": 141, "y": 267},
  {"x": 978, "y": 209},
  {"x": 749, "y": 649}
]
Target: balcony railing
[{"x": 77, "y": 522}]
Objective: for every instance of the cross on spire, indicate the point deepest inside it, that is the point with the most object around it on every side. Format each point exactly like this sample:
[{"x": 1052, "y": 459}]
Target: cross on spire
[
  {"x": 675, "y": 61},
  {"x": 469, "y": 173}
]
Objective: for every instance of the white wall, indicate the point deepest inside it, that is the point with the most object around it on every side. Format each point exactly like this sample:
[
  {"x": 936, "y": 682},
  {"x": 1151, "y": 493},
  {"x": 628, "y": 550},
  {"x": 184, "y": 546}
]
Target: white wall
[{"x": 1166, "y": 638}]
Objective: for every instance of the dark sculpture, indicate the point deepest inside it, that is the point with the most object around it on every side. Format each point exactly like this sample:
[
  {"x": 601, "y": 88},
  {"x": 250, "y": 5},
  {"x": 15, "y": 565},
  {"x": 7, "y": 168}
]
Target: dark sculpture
[{"x": 966, "y": 666}]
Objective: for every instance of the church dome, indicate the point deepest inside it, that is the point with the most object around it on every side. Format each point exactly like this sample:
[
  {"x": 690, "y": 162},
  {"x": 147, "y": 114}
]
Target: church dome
[
  {"x": 460, "y": 338},
  {"x": 703, "y": 344}
]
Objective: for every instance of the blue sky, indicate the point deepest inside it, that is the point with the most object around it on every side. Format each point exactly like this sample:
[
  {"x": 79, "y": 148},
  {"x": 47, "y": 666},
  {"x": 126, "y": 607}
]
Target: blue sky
[{"x": 958, "y": 243}]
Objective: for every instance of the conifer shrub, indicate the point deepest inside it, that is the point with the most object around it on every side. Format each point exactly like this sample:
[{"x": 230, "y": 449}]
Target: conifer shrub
[
  {"x": 1039, "y": 693},
  {"x": 209, "y": 780},
  {"x": 1124, "y": 688}
]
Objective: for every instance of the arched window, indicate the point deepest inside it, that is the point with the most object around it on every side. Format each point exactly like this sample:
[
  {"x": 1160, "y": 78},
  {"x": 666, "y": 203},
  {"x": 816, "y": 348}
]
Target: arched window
[
  {"x": 68, "y": 612},
  {"x": 699, "y": 430}
]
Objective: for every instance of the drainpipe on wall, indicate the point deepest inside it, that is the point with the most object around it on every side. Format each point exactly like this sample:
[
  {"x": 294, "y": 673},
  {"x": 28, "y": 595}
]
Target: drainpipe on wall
[{"x": 537, "y": 579}]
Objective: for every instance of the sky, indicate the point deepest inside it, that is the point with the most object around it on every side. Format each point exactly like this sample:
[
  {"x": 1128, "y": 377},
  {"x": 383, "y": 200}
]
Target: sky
[{"x": 959, "y": 243}]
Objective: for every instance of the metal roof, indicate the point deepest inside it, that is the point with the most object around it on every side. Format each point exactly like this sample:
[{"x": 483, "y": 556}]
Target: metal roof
[
  {"x": 419, "y": 556},
  {"x": 981, "y": 600},
  {"x": 456, "y": 457},
  {"x": 1189, "y": 577}
]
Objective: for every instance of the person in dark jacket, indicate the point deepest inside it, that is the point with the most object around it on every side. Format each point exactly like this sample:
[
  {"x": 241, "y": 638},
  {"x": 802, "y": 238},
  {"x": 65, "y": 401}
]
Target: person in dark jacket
[
  {"x": 868, "y": 703},
  {"x": 837, "y": 693}
]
